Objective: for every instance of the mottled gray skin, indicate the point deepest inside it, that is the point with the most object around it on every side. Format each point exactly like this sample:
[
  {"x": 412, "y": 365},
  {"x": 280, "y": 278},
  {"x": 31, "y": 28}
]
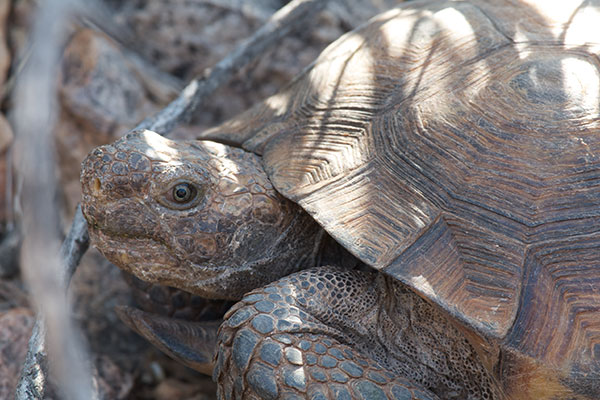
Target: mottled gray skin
[{"x": 326, "y": 332}]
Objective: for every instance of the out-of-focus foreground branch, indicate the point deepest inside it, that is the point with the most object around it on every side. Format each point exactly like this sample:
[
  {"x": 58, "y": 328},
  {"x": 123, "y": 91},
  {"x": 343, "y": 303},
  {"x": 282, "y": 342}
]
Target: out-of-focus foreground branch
[
  {"x": 35, "y": 114},
  {"x": 32, "y": 384},
  {"x": 53, "y": 342}
]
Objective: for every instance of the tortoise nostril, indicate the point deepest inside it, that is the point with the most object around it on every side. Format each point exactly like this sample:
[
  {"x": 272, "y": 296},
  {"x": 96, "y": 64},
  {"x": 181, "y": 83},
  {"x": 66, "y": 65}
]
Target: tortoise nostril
[{"x": 96, "y": 186}]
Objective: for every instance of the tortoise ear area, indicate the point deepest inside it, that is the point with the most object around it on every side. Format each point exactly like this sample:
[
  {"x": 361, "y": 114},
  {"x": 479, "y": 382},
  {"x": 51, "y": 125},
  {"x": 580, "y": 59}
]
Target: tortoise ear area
[{"x": 190, "y": 343}]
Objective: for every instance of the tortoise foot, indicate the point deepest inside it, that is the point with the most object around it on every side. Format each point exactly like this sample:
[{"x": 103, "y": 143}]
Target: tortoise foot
[{"x": 275, "y": 345}]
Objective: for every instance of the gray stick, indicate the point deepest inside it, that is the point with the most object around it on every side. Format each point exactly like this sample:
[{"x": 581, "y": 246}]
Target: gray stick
[{"x": 32, "y": 384}]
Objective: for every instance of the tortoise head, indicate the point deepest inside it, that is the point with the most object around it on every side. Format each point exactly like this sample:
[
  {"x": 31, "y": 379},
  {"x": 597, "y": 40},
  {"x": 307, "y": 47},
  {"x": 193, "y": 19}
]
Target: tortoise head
[{"x": 196, "y": 215}]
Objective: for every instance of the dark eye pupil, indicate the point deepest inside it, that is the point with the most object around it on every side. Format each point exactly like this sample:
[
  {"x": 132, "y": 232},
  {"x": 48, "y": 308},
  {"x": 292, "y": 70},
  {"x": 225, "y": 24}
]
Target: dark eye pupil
[{"x": 182, "y": 192}]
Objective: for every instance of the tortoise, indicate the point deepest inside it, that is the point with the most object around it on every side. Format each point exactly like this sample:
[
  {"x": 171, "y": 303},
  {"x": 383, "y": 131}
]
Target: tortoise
[{"x": 416, "y": 216}]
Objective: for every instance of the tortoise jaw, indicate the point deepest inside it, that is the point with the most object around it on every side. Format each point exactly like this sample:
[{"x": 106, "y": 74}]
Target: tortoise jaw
[
  {"x": 153, "y": 261},
  {"x": 131, "y": 254}
]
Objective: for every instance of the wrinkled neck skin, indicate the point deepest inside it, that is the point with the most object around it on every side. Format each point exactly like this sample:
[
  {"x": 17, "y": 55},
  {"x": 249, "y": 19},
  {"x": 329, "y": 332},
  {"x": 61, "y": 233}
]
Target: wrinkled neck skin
[
  {"x": 260, "y": 257},
  {"x": 197, "y": 215}
]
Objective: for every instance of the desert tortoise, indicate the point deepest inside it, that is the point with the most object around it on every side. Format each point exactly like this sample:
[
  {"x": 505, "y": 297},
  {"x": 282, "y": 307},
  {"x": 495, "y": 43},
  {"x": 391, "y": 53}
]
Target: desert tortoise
[{"x": 451, "y": 147}]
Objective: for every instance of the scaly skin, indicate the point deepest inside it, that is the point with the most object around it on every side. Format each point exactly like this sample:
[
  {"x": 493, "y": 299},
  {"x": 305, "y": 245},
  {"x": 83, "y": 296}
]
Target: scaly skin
[
  {"x": 331, "y": 333},
  {"x": 326, "y": 332}
]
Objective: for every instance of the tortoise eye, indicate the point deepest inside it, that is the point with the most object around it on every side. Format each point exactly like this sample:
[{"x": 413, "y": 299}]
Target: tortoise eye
[{"x": 183, "y": 193}]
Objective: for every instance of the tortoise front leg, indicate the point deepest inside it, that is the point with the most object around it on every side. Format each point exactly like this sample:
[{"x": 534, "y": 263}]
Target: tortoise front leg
[
  {"x": 308, "y": 336},
  {"x": 192, "y": 343}
]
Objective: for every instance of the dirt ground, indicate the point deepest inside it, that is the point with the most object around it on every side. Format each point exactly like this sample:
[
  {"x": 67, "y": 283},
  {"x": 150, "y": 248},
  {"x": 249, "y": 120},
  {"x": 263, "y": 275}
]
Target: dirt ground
[{"x": 107, "y": 83}]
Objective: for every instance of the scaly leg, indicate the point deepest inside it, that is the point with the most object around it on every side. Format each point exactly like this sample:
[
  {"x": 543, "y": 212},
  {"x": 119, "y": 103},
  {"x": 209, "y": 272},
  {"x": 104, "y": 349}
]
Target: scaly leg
[{"x": 309, "y": 335}]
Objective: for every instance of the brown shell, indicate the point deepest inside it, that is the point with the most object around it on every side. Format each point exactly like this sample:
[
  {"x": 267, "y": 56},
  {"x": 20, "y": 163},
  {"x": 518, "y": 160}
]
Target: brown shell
[{"x": 456, "y": 147}]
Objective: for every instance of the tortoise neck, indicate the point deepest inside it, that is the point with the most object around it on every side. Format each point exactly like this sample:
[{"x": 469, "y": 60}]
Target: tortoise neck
[{"x": 332, "y": 253}]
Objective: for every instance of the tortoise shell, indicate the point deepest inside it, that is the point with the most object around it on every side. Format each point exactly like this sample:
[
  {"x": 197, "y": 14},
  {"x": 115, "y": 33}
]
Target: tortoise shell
[{"x": 455, "y": 146}]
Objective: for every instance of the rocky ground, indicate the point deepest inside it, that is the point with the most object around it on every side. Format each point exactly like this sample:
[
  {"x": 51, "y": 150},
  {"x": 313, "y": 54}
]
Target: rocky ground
[{"x": 114, "y": 72}]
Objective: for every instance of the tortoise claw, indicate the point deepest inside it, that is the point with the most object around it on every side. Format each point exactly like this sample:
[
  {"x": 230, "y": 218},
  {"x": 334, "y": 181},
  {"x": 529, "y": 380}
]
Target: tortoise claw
[{"x": 191, "y": 343}]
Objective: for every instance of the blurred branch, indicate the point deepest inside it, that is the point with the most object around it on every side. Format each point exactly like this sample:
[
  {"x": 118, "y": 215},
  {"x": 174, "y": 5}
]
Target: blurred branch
[
  {"x": 55, "y": 344},
  {"x": 33, "y": 382}
]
